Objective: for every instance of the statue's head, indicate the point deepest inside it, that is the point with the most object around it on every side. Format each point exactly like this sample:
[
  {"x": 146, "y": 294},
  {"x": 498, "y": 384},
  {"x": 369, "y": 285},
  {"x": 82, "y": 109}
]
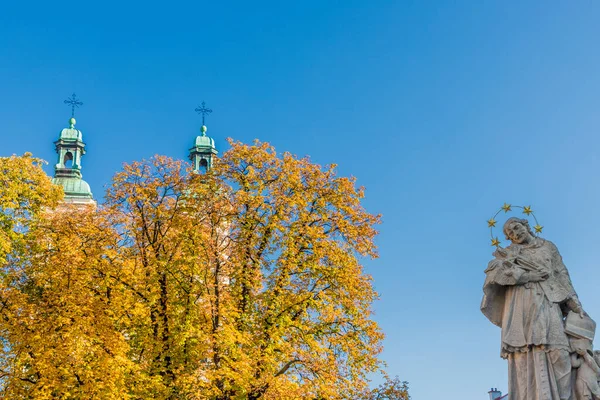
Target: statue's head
[{"x": 517, "y": 230}]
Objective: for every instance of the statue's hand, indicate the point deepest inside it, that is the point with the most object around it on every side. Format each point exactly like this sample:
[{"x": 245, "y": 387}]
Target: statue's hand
[
  {"x": 575, "y": 306},
  {"x": 501, "y": 253},
  {"x": 537, "y": 276}
]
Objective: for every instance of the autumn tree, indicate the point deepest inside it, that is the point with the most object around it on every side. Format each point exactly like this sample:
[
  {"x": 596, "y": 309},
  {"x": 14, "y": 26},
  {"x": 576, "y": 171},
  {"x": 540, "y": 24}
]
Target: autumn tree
[
  {"x": 242, "y": 283},
  {"x": 24, "y": 192},
  {"x": 58, "y": 318},
  {"x": 301, "y": 317},
  {"x": 390, "y": 389},
  {"x": 65, "y": 312},
  {"x": 162, "y": 227}
]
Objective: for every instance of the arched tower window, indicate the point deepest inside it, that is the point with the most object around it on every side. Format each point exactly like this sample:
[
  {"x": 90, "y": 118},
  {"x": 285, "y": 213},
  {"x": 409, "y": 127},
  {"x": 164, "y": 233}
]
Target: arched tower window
[
  {"x": 68, "y": 160},
  {"x": 203, "y": 165}
]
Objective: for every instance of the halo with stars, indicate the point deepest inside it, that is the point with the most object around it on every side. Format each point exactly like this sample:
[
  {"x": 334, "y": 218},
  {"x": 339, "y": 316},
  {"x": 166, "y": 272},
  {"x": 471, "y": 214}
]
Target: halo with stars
[{"x": 506, "y": 208}]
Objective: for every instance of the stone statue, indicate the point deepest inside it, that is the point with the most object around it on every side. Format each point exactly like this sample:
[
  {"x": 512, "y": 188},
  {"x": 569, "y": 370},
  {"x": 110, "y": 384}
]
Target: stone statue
[{"x": 528, "y": 293}]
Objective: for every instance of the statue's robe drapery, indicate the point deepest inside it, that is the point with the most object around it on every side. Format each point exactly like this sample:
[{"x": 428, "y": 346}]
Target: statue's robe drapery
[{"x": 533, "y": 337}]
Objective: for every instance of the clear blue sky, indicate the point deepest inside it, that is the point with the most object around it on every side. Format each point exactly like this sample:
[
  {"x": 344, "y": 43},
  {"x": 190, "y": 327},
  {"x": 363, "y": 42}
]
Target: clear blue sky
[{"x": 443, "y": 110}]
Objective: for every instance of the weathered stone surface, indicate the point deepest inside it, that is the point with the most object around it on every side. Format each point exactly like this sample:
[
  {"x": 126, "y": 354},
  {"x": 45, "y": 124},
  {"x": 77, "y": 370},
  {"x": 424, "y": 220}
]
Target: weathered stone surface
[{"x": 529, "y": 294}]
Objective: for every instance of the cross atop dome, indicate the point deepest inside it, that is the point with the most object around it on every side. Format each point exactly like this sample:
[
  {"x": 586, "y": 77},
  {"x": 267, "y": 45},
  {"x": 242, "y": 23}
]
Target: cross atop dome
[
  {"x": 74, "y": 102},
  {"x": 202, "y": 110}
]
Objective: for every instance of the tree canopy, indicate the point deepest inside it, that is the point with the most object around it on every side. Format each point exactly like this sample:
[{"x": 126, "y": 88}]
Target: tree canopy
[{"x": 242, "y": 283}]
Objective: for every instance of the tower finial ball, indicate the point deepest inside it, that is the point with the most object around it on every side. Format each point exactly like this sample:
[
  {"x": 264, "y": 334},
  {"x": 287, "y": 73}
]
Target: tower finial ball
[{"x": 72, "y": 122}]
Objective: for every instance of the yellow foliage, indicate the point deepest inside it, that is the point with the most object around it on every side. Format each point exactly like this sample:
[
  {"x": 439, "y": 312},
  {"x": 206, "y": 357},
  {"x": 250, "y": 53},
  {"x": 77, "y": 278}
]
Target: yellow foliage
[
  {"x": 242, "y": 283},
  {"x": 24, "y": 191}
]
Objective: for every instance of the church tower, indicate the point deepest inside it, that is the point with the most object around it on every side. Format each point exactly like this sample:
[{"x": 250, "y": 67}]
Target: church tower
[
  {"x": 204, "y": 148},
  {"x": 67, "y": 171}
]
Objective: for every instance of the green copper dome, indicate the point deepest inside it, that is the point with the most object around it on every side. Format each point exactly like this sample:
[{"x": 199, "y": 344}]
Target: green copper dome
[
  {"x": 204, "y": 141},
  {"x": 74, "y": 187},
  {"x": 70, "y": 134}
]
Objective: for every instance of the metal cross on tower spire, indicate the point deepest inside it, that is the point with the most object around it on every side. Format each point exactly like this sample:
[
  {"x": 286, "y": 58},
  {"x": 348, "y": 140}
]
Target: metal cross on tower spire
[
  {"x": 203, "y": 111},
  {"x": 74, "y": 103}
]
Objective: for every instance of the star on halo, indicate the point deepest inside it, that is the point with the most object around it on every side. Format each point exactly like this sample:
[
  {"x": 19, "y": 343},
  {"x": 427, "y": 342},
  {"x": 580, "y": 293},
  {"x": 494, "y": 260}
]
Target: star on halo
[
  {"x": 506, "y": 207},
  {"x": 495, "y": 242},
  {"x": 491, "y": 222},
  {"x": 527, "y": 210},
  {"x": 538, "y": 228}
]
